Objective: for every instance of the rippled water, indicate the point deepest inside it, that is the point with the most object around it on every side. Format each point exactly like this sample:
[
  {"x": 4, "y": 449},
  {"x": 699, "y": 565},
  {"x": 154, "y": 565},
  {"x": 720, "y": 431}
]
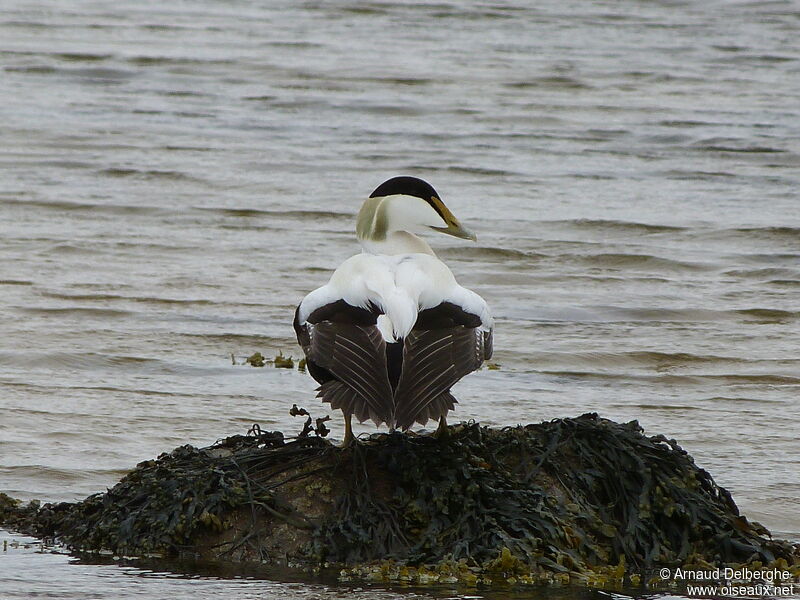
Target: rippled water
[{"x": 176, "y": 176}]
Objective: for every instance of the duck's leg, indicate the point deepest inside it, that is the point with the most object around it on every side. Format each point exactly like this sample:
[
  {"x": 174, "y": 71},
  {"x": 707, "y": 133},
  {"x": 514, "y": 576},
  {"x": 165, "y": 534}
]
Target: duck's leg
[
  {"x": 442, "y": 430},
  {"x": 348, "y": 431}
]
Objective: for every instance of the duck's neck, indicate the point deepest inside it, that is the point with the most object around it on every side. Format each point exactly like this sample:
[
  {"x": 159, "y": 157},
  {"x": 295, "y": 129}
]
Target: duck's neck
[{"x": 396, "y": 242}]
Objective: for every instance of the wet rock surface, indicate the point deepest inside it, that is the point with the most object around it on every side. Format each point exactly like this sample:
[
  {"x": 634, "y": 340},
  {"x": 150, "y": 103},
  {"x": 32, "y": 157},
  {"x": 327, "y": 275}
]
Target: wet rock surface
[{"x": 582, "y": 498}]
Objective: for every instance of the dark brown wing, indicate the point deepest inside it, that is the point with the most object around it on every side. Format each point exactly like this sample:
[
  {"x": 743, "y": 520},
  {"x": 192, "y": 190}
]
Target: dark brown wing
[
  {"x": 340, "y": 396},
  {"x": 488, "y": 344},
  {"x": 342, "y": 346},
  {"x": 437, "y": 407},
  {"x": 433, "y": 361}
]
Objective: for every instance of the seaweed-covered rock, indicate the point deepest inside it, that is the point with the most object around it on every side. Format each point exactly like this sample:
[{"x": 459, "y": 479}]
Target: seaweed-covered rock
[{"x": 583, "y": 497}]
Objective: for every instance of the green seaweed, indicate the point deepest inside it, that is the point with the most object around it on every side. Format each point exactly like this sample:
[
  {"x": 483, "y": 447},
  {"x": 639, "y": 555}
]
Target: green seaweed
[
  {"x": 279, "y": 361},
  {"x": 283, "y": 362},
  {"x": 255, "y": 360}
]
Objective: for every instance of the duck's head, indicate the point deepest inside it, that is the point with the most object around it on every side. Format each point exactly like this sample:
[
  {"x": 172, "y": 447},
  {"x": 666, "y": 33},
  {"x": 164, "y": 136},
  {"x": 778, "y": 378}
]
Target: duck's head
[{"x": 406, "y": 204}]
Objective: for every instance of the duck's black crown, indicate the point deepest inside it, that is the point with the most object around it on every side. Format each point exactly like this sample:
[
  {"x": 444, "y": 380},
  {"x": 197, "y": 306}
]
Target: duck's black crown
[{"x": 407, "y": 186}]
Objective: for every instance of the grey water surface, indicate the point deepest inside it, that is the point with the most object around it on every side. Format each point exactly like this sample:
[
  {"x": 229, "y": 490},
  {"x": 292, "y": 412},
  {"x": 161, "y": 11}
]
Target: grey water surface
[{"x": 175, "y": 176}]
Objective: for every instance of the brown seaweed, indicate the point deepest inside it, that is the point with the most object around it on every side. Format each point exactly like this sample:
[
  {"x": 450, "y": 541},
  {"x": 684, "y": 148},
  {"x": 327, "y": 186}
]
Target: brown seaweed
[{"x": 582, "y": 498}]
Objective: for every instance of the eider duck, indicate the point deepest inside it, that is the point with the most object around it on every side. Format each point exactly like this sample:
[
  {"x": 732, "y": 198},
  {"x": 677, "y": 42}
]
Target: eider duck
[{"x": 392, "y": 331}]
